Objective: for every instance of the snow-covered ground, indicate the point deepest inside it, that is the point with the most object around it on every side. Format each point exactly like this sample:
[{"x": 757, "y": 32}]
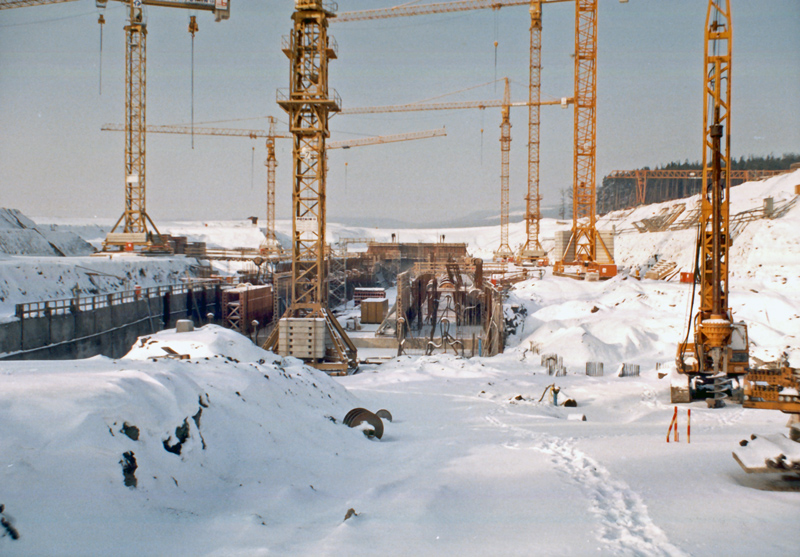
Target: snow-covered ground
[
  {"x": 473, "y": 463},
  {"x": 478, "y": 459}
]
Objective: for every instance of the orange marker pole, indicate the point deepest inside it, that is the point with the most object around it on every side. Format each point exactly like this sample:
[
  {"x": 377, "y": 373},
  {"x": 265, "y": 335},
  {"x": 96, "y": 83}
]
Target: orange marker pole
[
  {"x": 689, "y": 426},
  {"x": 673, "y": 423},
  {"x": 676, "y": 425}
]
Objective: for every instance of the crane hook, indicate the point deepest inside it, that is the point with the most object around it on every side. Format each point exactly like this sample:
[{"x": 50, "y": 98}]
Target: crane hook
[{"x": 193, "y": 28}]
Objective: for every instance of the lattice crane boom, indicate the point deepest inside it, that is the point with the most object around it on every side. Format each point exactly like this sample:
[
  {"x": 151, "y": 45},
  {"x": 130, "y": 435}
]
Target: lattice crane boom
[
  {"x": 532, "y": 249},
  {"x": 271, "y": 244},
  {"x": 435, "y": 8},
  {"x": 9, "y": 4},
  {"x": 504, "y": 251},
  {"x": 220, "y": 7},
  {"x": 257, "y": 134},
  {"x": 459, "y": 105}
]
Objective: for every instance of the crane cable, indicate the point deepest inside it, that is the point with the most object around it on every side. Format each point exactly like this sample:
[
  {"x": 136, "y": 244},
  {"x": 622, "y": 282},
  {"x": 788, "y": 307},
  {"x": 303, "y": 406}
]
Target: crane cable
[
  {"x": 101, "y": 20},
  {"x": 496, "y": 29},
  {"x": 695, "y": 279},
  {"x": 193, "y": 28},
  {"x": 482, "y": 113}
]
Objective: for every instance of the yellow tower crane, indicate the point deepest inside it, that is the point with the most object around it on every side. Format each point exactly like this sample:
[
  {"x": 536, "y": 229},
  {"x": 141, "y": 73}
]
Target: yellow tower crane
[
  {"x": 135, "y": 228},
  {"x": 531, "y": 250},
  {"x": 588, "y": 247},
  {"x": 503, "y": 251},
  {"x": 271, "y": 246},
  {"x": 307, "y": 330},
  {"x": 720, "y": 348}
]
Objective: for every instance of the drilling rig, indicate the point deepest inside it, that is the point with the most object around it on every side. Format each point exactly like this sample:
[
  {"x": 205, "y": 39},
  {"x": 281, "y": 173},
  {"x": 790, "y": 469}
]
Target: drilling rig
[{"x": 719, "y": 355}]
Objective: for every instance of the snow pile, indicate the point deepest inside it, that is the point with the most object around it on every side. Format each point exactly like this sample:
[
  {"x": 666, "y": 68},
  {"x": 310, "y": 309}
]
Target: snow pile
[
  {"x": 618, "y": 321},
  {"x": 624, "y": 320},
  {"x": 166, "y": 453},
  {"x": 19, "y": 235},
  {"x": 222, "y": 234}
]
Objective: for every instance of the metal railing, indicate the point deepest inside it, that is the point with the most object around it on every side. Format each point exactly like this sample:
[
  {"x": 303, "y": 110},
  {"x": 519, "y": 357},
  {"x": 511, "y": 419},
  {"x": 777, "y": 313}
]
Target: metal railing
[{"x": 29, "y": 310}]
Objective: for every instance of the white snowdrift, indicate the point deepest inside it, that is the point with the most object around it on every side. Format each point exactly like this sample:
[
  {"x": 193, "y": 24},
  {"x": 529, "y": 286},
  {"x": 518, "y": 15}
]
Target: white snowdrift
[{"x": 253, "y": 422}]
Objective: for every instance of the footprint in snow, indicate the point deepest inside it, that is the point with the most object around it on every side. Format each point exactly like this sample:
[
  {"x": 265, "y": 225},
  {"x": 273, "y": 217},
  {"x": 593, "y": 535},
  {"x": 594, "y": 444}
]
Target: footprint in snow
[{"x": 625, "y": 525}]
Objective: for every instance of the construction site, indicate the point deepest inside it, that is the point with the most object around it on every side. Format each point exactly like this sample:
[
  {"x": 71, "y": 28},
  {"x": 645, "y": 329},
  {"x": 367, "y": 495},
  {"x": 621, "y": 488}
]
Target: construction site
[{"x": 541, "y": 319}]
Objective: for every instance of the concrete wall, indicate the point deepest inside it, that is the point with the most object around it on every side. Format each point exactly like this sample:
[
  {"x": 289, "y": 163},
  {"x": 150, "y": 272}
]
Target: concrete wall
[{"x": 110, "y": 331}]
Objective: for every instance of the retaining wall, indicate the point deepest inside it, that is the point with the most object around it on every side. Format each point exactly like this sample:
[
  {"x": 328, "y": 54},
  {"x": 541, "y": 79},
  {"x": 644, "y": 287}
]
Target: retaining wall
[{"x": 107, "y": 325}]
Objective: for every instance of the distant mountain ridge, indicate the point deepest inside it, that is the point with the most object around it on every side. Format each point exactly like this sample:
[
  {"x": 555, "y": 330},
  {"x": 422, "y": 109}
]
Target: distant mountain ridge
[{"x": 486, "y": 217}]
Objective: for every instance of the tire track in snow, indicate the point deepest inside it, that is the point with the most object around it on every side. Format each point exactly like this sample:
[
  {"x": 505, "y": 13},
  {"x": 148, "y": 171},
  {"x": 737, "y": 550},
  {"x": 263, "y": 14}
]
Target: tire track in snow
[{"x": 626, "y": 527}]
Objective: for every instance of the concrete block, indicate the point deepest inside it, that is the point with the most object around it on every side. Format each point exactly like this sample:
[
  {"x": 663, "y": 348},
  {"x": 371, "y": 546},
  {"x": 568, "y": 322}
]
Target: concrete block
[{"x": 184, "y": 326}]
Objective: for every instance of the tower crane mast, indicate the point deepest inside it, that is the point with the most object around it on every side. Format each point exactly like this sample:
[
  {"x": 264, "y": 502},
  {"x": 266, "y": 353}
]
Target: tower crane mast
[
  {"x": 309, "y": 104},
  {"x": 583, "y": 213},
  {"x": 271, "y": 246},
  {"x": 437, "y": 8},
  {"x": 504, "y": 251},
  {"x": 532, "y": 249}
]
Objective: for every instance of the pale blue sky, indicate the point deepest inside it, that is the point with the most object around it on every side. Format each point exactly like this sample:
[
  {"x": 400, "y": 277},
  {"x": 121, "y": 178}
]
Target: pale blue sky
[{"x": 55, "y": 161}]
